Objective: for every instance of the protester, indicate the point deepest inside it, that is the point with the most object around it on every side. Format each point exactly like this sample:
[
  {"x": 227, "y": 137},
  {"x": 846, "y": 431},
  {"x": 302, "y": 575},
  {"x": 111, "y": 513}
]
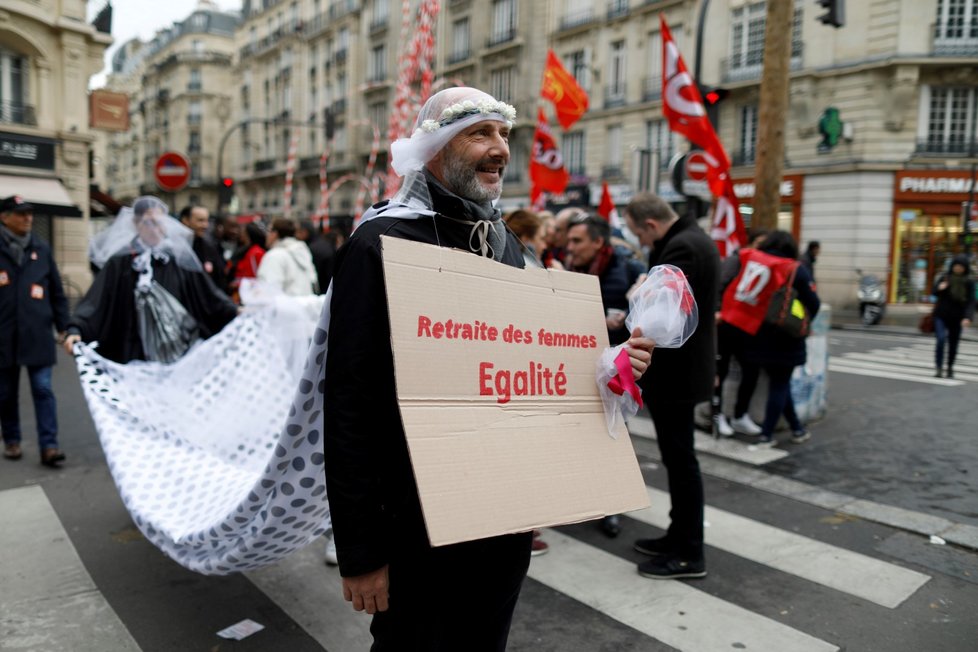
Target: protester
[
  {"x": 288, "y": 262},
  {"x": 526, "y": 226},
  {"x": 727, "y": 348},
  {"x": 776, "y": 351},
  {"x": 955, "y": 308},
  {"x": 32, "y": 301},
  {"x": 152, "y": 299},
  {"x": 677, "y": 380},
  {"x": 229, "y": 239},
  {"x": 322, "y": 251},
  {"x": 246, "y": 260},
  {"x": 589, "y": 251},
  {"x": 453, "y": 597},
  {"x": 811, "y": 254},
  {"x": 557, "y": 247},
  {"x": 197, "y": 219}
]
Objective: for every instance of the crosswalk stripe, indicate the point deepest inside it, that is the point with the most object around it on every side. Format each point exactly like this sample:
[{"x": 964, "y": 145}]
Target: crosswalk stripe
[
  {"x": 911, "y": 358},
  {"x": 850, "y": 572},
  {"x": 889, "y": 372},
  {"x": 732, "y": 449},
  {"x": 672, "y": 612},
  {"x": 924, "y": 367},
  {"x": 50, "y": 602}
]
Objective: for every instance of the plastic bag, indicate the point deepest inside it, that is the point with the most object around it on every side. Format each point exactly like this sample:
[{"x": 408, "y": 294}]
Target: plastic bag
[
  {"x": 166, "y": 329},
  {"x": 664, "y": 308}
]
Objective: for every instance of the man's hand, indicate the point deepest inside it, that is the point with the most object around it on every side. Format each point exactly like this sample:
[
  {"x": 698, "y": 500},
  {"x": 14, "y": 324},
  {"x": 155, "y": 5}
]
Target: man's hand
[
  {"x": 965, "y": 322},
  {"x": 367, "y": 592},
  {"x": 70, "y": 341},
  {"x": 639, "y": 352}
]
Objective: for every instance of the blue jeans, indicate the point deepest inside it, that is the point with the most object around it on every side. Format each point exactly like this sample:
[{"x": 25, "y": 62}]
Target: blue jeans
[
  {"x": 779, "y": 400},
  {"x": 949, "y": 333},
  {"x": 45, "y": 408}
]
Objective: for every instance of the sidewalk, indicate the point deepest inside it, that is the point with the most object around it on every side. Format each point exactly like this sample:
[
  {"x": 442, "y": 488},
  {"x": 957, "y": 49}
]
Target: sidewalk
[{"x": 899, "y": 320}]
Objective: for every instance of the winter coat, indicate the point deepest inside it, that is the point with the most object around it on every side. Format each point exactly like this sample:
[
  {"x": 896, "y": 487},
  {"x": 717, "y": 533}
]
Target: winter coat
[
  {"x": 618, "y": 278},
  {"x": 947, "y": 309},
  {"x": 288, "y": 266},
  {"x": 773, "y": 347},
  {"x": 32, "y": 300},
  {"x": 687, "y": 373}
]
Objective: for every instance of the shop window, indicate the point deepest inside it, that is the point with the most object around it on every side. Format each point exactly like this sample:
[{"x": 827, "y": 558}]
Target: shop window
[{"x": 924, "y": 246}]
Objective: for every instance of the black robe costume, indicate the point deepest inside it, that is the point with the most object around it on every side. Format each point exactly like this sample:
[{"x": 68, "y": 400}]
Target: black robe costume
[
  {"x": 451, "y": 597},
  {"x": 107, "y": 313}
]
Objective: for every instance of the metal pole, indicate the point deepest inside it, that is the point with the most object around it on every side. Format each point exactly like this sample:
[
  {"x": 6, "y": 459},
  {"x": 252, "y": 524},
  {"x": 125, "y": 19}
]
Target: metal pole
[{"x": 700, "y": 24}]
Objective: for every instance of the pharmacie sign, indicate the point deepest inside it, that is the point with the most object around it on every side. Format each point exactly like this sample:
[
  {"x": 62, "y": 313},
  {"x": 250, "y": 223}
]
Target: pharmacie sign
[{"x": 929, "y": 184}]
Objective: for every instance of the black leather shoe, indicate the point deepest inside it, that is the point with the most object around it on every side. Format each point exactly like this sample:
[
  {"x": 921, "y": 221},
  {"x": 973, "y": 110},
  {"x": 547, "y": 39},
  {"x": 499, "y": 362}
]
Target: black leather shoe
[
  {"x": 672, "y": 568},
  {"x": 660, "y": 546},
  {"x": 611, "y": 526},
  {"x": 52, "y": 457}
]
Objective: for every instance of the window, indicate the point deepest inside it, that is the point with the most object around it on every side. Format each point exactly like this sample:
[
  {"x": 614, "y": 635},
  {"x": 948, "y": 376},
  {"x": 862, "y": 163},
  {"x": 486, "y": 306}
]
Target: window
[
  {"x": 197, "y": 46},
  {"x": 615, "y": 91},
  {"x": 658, "y": 138},
  {"x": 501, "y": 83},
  {"x": 578, "y": 64},
  {"x": 377, "y": 115},
  {"x": 951, "y": 119},
  {"x": 573, "y": 150},
  {"x": 381, "y": 11},
  {"x": 613, "y": 154},
  {"x": 198, "y": 22},
  {"x": 747, "y": 36},
  {"x": 13, "y": 89},
  {"x": 193, "y": 145},
  {"x": 956, "y": 30},
  {"x": 294, "y": 15},
  {"x": 194, "y": 83},
  {"x": 748, "y": 134},
  {"x": 461, "y": 44},
  {"x": 339, "y": 138},
  {"x": 503, "y": 21},
  {"x": 377, "y": 70},
  {"x": 193, "y": 112},
  {"x": 517, "y": 164}
]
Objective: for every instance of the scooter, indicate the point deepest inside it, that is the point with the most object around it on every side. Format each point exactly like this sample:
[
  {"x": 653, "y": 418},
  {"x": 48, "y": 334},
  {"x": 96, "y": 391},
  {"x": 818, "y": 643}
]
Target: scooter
[{"x": 872, "y": 298}]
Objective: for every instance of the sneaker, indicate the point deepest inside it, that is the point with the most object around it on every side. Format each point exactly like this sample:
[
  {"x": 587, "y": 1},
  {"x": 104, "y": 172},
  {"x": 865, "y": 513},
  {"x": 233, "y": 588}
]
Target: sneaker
[
  {"x": 766, "y": 442},
  {"x": 723, "y": 426},
  {"x": 745, "y": 425},
  {"x": 938, "y": 374},
  {"x": 331, "y": 558},
  {"x": 799, "y": 436},
  {"x": 659, "y": 546},
  {"x": 672, "y": 568},
  {"x": 539, "y": 546}
]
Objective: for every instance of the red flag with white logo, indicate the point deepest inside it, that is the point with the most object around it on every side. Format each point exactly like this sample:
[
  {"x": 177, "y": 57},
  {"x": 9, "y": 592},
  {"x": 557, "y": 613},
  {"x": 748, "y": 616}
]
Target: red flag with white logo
[
  {"x": 560, "y": 87},
  {"x": 547, "y": 171},
  {"x": 681, "y": 101},
  {"x": 727, "y": 225}
]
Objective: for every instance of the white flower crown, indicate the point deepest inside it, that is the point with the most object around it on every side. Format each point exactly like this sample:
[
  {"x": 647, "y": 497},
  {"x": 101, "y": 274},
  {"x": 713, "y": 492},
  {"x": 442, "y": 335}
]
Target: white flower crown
[{"x": 466, "y": 108}]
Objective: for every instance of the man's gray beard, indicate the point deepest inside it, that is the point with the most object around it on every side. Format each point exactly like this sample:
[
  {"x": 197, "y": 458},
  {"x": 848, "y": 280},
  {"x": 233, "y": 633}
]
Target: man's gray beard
[{"x": 462, "y": 180}]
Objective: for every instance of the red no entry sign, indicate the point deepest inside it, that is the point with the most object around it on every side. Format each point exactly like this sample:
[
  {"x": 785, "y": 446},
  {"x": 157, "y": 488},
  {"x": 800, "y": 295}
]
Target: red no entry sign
[
  {"x": 172, "y": 171},
  {"x": 698, "y": 165}
]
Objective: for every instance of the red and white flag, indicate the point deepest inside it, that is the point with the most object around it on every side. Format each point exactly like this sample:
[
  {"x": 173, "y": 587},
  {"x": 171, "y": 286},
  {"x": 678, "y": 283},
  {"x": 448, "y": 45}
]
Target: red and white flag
[
  {"x": 547, "y": 171},
  {"x": 683, "y": 107}
]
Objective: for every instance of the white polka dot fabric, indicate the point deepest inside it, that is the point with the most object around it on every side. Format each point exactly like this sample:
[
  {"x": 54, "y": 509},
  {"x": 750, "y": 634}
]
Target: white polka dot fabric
[{"x": 218, "y": 457}]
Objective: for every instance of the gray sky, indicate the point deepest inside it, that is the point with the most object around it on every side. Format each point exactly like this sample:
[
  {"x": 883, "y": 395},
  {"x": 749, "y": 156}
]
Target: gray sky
[{"x": 138, "y": 18}]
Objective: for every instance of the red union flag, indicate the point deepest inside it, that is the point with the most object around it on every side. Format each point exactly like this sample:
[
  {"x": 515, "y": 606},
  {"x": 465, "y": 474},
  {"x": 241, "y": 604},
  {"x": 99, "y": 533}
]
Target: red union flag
[
  {"x": 727, "y": 226},
  {"x": 560, "y": 87},
  {"x": 681, "y": 101},
  {"x": 547, "y": 172}
]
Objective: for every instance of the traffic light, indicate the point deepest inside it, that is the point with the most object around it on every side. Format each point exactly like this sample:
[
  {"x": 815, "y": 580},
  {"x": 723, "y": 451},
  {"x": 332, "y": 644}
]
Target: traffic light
[
  {"x": 226, "y": 191},
  {"x": 835, "y": 12},
  {"x": 712, "y": 96}
]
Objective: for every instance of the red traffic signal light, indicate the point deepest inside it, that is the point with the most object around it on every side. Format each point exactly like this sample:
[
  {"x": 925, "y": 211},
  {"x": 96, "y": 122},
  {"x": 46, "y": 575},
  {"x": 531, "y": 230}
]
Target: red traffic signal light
[
  {"x": 712, "y": 96},
  {"x": 227, "y": 182}
]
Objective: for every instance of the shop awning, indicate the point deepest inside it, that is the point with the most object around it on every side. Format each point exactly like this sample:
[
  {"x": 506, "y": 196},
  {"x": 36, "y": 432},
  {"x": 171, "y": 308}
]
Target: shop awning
[{"x": 47, "y": 195}]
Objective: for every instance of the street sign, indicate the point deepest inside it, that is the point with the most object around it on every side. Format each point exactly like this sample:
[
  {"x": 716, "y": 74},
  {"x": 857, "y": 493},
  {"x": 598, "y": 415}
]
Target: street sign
[
  {"x": 690, "y": 172},
  {"x": 697, "y": 166},
  {"x": 172, "y": 171}
]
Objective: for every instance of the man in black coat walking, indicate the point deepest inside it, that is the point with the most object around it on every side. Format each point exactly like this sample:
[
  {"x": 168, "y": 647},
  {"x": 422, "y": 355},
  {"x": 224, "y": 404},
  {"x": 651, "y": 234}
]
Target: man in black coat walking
[
  {"x": 32, "y": 299},
  {"x": 676, "y": 381}
]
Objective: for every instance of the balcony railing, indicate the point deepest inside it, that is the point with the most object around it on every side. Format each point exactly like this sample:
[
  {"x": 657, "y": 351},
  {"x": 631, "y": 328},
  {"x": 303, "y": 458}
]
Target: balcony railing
[
  {"x": 651, "y": 88},
  {"x": 935, "y": 147},
  {"x": 956, "y": 38},
  {"x": 309, "y": 163},
  {"x": 576, "y": 19},
  {"x": 342, "y": 8},
  {"x": 611, "y": 171},
  {"x": 457, "y": 57},
  {"x": 501, "y": 36},
  {"x": 617, "y": 9},
  {"x": 193, "y": 87},
  {"x": 192, "y": 119},
  {"x": 379, "y": 23},
  {"x": 265, "y": 165},
  {"x": 614, "y": 95},
  {"x": 744, "y": 157},
  {"x": 736, "y": 69},
  {"x": 17, "y": 113}
]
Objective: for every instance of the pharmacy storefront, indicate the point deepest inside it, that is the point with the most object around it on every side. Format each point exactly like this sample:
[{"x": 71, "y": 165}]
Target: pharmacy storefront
[{"x": 927, "y": 229}]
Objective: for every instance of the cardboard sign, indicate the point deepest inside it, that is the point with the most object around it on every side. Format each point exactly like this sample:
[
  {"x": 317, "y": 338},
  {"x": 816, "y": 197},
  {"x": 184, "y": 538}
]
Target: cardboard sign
[{"x": 495, "y": 374}]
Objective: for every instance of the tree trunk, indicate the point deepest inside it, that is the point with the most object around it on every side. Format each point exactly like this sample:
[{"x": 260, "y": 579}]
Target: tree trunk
[{"x": 772, "y": 113}]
